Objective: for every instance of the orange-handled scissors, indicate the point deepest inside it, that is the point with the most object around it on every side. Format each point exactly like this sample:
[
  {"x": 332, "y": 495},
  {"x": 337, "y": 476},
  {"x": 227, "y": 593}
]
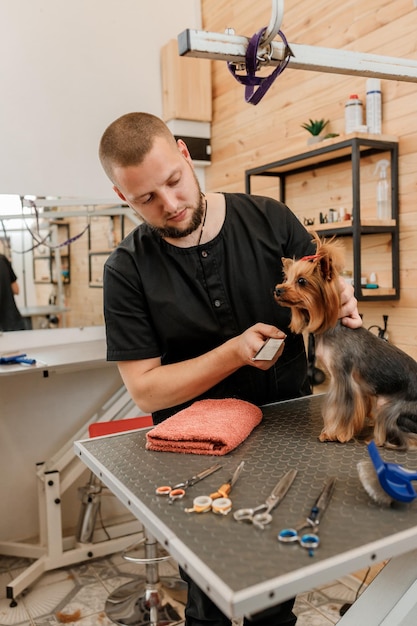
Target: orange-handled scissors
[
  {"x": 224, "y": 490},
  {"x": 218, "y": 501},
  {"x": 178, "y": 491}
]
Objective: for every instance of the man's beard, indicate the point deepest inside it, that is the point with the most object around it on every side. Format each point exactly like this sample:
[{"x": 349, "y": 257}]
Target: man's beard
[
  {"x": 177, "y": 233},
  {"x": 196, "y": 219}
]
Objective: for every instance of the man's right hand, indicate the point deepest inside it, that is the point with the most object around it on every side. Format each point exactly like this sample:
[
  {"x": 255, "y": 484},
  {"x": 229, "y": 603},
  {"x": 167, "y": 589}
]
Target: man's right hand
[{"x": 253, "y": 339}]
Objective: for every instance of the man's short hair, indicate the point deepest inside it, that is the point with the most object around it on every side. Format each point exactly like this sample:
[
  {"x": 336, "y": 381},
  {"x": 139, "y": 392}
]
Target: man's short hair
[{"x": 129, "y": 139}]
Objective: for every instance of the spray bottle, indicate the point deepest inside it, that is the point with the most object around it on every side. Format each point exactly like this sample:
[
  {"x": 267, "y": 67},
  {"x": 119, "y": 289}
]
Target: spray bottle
[{"x": 383, "y": 196}]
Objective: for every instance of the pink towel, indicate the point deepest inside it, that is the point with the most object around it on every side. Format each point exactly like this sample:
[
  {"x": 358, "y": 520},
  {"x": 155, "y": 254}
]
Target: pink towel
[{"x": 206, "y": 427}]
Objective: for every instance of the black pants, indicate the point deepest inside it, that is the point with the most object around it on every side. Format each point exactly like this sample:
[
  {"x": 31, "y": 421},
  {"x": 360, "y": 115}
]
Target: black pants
[{"x": 201, "y": 611}]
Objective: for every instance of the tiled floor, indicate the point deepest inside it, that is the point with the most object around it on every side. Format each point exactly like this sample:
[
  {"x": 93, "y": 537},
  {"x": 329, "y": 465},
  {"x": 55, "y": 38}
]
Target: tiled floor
[{"x": 77, "y": 594}]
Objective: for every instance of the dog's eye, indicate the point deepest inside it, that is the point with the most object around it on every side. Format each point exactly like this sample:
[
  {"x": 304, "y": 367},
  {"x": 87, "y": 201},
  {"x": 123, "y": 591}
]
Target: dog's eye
[{"x": 302, "y": 281}]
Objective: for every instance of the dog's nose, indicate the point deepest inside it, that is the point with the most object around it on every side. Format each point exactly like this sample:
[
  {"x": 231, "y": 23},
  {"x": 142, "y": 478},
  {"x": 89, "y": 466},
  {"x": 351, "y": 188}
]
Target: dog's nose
[{"x": 278, "y": 291}]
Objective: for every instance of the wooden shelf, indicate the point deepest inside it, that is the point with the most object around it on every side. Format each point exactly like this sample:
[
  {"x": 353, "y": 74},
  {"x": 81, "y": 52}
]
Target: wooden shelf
[
  {"x": 321, "y": 153},
  {"x": 380, "y": 291},
  {"x": 372, "y": 222}
]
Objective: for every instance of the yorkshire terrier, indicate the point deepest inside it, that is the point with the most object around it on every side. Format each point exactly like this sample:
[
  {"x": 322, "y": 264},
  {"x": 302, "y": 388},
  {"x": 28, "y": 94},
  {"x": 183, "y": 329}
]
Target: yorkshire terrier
[{"x": 373, "y": 385}]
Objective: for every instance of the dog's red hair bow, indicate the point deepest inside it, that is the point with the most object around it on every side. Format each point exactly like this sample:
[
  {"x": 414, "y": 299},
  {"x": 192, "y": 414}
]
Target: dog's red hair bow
[{"x": 310, "y": 257}]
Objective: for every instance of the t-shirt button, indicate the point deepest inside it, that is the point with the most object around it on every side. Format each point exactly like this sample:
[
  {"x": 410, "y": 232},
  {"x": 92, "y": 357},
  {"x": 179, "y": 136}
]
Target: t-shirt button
[
  {"x": 217, "y": 303},
  {"x": 204, "y": 254}
]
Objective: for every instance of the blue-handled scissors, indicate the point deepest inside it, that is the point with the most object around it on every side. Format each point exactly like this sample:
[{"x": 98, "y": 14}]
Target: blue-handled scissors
[
  {"x": 178, "y": 491},
  {"x": 310, "y": 540}
]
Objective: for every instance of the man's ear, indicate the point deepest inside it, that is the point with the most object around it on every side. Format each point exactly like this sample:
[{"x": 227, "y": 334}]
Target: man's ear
[
  {"x": 182, "y": 147},
  {"x": 119, "y": 193}
]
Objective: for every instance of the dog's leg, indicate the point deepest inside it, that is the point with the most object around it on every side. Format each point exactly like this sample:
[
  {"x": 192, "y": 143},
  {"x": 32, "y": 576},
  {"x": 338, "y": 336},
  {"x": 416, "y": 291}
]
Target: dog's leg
[{"x": 346, "y": 405}]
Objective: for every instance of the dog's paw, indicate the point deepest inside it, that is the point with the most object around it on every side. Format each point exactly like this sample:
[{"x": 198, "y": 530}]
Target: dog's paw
[
  {"x": 325, "y": 437},
  {"x": 339, "y": 437}
]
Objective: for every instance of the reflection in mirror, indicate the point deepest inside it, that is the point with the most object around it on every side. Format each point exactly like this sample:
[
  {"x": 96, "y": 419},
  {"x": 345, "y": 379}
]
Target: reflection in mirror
[{"x": 57, "y": 248}]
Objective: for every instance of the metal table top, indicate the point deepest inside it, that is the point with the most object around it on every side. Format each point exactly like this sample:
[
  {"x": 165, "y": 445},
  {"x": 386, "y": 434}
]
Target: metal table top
[{"x": 242, "y": 568}]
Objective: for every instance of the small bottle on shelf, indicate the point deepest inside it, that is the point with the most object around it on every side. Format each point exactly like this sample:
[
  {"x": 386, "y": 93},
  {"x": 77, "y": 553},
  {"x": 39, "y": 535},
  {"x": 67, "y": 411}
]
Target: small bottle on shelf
[
  {"x": 353, "y": 114},
  {"x": 373, "y": 106}
]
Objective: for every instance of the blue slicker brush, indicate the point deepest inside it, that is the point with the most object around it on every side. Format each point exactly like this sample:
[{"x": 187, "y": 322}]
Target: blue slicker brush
[{"x": 386, "y": 482}]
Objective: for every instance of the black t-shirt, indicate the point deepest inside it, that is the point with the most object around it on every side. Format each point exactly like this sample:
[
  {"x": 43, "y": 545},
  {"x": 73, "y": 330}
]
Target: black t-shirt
[
  {"x": 177, "y": 303},
  {"x": 10, "y": 318}
]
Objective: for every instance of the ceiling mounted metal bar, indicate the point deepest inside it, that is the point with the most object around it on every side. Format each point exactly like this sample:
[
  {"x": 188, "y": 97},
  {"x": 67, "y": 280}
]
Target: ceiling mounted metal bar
[
  {"x": 230, "y": 47},
  {"x": 275, "y": 22}
]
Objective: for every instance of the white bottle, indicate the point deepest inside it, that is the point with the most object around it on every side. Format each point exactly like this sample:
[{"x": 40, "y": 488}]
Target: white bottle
[
  {"x": 383, "y": 196},
  {"x": 353, "y": 114},
  {"x": 373, "y": 106}
]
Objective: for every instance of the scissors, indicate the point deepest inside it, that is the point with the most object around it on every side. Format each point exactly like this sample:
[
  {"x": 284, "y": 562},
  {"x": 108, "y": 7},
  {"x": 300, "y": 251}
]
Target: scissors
[
  {"x": 218, "y": 502},
  {"x": 310, "y": 540},
  {"x": 226, "y": 488},
  {"x": 178, "y": 491},
  {"x": 261, "y": 515}
]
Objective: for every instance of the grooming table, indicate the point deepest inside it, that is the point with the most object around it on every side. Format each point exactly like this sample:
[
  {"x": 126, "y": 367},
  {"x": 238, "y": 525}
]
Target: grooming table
[{"x": 245, "y": 569}]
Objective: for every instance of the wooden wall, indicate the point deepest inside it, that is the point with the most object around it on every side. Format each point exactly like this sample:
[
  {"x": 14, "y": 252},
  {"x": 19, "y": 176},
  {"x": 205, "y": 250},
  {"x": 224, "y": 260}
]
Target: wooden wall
[{"x": 246, "y": 136}]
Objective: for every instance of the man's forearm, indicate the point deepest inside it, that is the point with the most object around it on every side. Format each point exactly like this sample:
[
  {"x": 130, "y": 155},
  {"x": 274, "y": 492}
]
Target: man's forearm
[
  {"x": 154, "y": 386},
  {"x": 169, "y": 385}
]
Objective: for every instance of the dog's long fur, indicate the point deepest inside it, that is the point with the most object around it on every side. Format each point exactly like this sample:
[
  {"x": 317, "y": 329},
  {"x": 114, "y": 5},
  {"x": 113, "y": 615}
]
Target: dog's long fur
[{"x": 373, "y": 384}]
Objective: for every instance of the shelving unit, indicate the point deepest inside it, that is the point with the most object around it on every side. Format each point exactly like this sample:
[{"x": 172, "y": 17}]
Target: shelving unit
[
  {"x": 350, "y": 149},
  {"x": 101, "y": 245},
  {"x": 52, "y": 265}
]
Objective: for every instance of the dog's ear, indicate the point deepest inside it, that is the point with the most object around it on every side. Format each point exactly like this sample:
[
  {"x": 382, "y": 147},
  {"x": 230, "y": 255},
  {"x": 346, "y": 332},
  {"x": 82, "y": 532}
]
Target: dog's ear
[
  {"x": 323, "y": 259},
  {"x": 286, "y": 263},
  {"x": 331, "y": 259},
  {"x": 326, "y": 267}
]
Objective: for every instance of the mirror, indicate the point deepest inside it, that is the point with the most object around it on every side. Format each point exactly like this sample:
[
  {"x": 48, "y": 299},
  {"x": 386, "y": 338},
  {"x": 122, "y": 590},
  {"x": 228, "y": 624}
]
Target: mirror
[{"x": 57, "y": 247}]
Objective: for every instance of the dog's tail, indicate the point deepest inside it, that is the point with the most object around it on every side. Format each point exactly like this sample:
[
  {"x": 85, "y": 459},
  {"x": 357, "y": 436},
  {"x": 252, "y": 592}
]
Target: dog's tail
[{"x": 396, "y": 424}]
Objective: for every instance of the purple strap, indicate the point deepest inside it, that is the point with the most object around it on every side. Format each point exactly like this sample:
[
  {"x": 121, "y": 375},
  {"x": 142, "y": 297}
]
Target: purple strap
[{"x": 250, "y": 80}]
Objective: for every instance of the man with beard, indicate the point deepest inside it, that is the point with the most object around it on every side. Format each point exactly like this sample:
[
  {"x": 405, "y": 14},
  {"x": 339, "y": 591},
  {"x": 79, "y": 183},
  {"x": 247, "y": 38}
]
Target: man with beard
[{"x": 188, "y": 294}]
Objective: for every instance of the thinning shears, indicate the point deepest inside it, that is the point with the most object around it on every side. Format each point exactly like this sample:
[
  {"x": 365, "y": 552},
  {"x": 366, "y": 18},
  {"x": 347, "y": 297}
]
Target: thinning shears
[
  {"x": 178, "y": 491},
  {"x": 310, "y": 540},
  {"x": 224, "y": 490},
  {"x": 219, "y": 501},
  {"x": 260, "y": 516}
]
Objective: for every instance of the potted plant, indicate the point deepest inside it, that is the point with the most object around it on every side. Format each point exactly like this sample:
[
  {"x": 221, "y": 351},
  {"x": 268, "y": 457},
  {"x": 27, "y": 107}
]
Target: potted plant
[{"x": 315, "y": 128}]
